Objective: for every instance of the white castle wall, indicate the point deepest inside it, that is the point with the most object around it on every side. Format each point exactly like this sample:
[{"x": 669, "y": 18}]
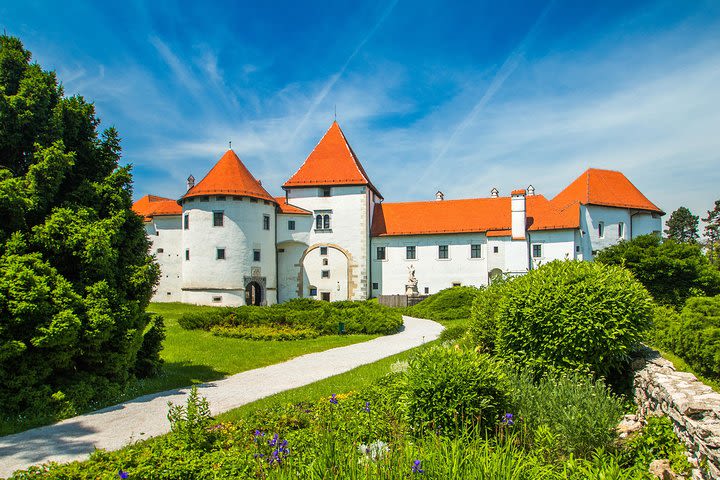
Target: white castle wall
[
  {"x": 350, "y": 229},
  {"x": 555, "y": 245},
  {"x": 591, "y": 215},
  {"x": 165, "y": 235},
  {"x": 433, "y": 273},
  {"x": 204, "y": 277}
]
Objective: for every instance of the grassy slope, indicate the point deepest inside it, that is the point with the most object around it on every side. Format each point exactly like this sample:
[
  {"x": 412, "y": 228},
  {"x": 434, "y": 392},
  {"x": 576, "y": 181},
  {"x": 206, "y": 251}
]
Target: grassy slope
[{"x": 682, "y": 366}]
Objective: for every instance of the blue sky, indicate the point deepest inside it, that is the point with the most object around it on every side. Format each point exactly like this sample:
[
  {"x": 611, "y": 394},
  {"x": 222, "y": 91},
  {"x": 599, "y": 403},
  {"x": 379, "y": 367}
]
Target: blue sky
[{"x": 456, "y": 96}]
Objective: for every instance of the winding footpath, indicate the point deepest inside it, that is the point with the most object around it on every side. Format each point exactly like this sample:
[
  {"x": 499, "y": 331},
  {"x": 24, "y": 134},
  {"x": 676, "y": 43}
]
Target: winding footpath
[{"x": 144, "y": 417}]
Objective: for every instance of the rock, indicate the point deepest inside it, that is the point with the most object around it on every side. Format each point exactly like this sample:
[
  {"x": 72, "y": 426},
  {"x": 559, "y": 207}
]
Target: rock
[
  {"x": 629, "y": 425},
  {"x": 661, "y": 469}
]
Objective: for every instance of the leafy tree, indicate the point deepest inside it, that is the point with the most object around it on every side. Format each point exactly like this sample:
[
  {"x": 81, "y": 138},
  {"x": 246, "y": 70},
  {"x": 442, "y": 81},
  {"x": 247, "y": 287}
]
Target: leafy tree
[
  {"x": 712, "y": 233},
  {"x": 671, "y": 271},
  {"x": 683, "y": 226},
  {"x": 75, "y": 274}
]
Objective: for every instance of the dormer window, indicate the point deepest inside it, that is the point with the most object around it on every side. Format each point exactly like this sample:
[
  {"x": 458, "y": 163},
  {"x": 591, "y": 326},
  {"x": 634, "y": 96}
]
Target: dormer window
[{"x": 325, "y": 191}]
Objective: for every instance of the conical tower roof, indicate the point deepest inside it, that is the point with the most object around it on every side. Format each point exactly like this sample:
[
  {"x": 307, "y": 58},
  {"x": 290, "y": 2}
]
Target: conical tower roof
[
  {"x": 332, "y": 162},
  {"x": 229, "y": 176}
]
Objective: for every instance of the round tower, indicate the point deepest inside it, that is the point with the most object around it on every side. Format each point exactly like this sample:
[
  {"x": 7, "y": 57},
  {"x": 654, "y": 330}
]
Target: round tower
[{"x": 228, "y": 238}]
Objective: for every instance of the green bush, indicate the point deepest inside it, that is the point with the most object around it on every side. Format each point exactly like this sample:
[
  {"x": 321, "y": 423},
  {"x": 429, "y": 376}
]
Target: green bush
[
  {"x": 204, "y": 318},
  {"x": 483, "y": 324},
  {"x": 657, "y": 440},
  {"x": 448, "y": 390},
  {"x": 693, "y": 335},
  {"x": 566, "y": 413},
  {"x": 265, "y": 332},
  {"x": 671, "y": 271},
  {"x": 574, "y": 315},
  {"x": 450, "y": 304}
]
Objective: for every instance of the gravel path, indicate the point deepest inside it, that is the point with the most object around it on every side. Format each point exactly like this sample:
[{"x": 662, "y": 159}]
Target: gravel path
[{"x": 114, "y": 427}]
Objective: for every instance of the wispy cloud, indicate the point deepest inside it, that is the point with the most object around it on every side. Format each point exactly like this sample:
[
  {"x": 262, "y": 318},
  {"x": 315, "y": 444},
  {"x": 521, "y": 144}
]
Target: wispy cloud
[{"x": 177, "y": 67}]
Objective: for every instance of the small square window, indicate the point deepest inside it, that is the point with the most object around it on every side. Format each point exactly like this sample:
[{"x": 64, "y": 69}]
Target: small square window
[
  {"x": 160, "y": 250},
  {"x": 187, "y": 254},
  {"x": 253, "y": 200},
  {"x": 237, "y": 198},
  {"x": 291, "y": 224},
  {"x": 266, "y": 222},
  {"x": 325, "y": 192},
  {"x": 220, "y": 198},
  {"x": 325, "y": 296},
  {"x": 256, "y": 255},
  {"x": 323, "y": 250},
  {"x": 496, "y": 249},
  {"x": 427, "y": 290},
  {"x": 217, "y": 299},
  {"x": 325, "y": 261},
  {"x": 187, "y": 221},
  {"x": 380, "y": 253},
  {"x": 191, "y": 199},
  {"x": 325, "y": 274},
  {"x": 410, "y": 252},
  {"x": 204, "y": 199},
  {"x": 220, "y": 254},
  {"x": 577, "y": 248},
  {"x": 537, "y": 250},
  {"x": 475, "y": 251},
  {"x": 457, "y": 284},
  {"x": 281, "y": 250},
  {"x": 168, "y": 293},
  {"x": 443, "y": 252},
  {"x": 218, "y": 219},
  {"x": 375, "y": 286},
  {"x": 157, "y": 233},
  {"x": 313, "y": 292}
]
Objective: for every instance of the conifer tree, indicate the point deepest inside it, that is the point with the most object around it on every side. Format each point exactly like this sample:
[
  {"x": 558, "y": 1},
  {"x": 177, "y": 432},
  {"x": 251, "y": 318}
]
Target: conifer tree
[
  {"x": 683, "y": 226},
  {"x": 75, "y": 273},
  {"x": 712, "y": 234}
]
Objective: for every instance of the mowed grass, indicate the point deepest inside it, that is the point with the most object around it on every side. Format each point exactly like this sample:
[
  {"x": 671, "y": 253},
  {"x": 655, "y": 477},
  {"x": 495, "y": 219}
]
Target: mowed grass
[{"x": 352, "y": 380}]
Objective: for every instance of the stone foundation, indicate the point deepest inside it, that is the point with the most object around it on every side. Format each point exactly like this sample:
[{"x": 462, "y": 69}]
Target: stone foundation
[{"x": 693, "y": 407}]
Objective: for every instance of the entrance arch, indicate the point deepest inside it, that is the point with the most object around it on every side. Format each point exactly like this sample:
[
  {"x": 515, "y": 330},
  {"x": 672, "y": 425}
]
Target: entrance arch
[{"x": 253, "y": 294}]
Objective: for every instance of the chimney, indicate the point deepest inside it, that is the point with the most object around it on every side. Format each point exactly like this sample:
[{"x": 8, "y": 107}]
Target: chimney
[
  {"x": 530, "y": 191},
  {"x": 439, "y": 196},
  {"x": 190, "y": 182},
  {"x": 494, "y": 192},
  {"x": 517, "y": 208}
]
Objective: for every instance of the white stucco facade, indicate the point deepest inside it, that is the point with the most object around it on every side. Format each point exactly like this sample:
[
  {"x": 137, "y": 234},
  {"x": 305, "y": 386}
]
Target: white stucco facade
[{"x": 165, "y": 235}]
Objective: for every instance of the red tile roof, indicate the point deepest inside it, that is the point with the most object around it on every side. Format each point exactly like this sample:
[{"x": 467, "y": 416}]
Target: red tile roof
[
  {"x": 520, "y": 191},
  {"x": 332, "y": 162},
  {"x": 229, "y": 176},
  {"x": 152, "y": 205},
  {"x": 290, "y": 209},
  {"x": 606, "y": 188},
  {"x": 470, "y": 215}
]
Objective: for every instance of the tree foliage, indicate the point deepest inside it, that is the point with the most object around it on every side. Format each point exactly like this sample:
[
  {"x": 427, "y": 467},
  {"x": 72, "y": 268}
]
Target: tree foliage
[
  {"x": 712, "y": 234},
  {"x": 671, "y": 271},
  {"x": 75, "y": 274},
  {"x": 682, "y": 226}
]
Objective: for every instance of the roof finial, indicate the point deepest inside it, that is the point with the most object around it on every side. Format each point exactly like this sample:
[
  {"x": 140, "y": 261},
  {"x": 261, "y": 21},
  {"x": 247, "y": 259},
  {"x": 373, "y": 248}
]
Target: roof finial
[
  {"x": 335, "y": 115},
  {"x": 230, "y": 144}
]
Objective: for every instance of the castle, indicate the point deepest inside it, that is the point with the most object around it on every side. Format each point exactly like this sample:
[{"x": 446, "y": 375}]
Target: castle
[{"x": 227, "y": 241}]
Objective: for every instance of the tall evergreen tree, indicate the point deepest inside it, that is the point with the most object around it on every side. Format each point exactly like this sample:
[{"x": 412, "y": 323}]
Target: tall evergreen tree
[
  {"x": 712, "y": 234},
  {"x": 682, "y": 226},
  {"x": 75, "y": 274}
]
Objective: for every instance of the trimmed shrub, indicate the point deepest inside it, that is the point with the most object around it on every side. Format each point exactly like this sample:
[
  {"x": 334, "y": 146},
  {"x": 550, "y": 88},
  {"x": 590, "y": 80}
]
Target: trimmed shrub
[
  {"x": 450, "y": 304},
  {"x": 483, "y": 324},
  {"x": 264, "y": 332},
  {"x": 447, "y": 390},
  {"x": 693, "y": 335},
  {"x": 566, "y": 413},
  {"x": 205, "y": 318},
  {"x": 573, "y": 315}
]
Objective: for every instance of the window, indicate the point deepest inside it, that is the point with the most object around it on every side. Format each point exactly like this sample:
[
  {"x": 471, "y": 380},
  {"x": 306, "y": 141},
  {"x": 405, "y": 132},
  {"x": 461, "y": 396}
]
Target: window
[
  {"x": 375, "y": 286},
  {"x": 475, "y": 251},
  {"x": 456, "y": 284},
  {"x": 281, "y": 250},
  {"x": 325, "y": 192},
  {"x": 496, "y": 249},
  {"x": 187, "y": 254},
  {"x": 537, "y": 250},
  {"x": 160, "y": 250},
  {"x": 577, "y": 248},
  {"x": 220, "y": 254},
  {"x": 237, "y": 198},
  {"x": 313, "y": 292},
  {"x": 442, "y": 252},
  {"x": 291, "y": 224},
  {"x": 410, "y": 252},
  {"x": 253, "y": 200},
  {"x": 218, "y": 219},
  {"x": 187, "y": 221},
  {"x": 217, "y": 299},
  {"x": 601, "y": 229},
  {"x": 256, "y": 255},
  {"x": 325, "y": 274},
  {"x": 325, "y": 261},
  {"x": 191, "y": 199},
  {"x": 266, "y": 222},
  {"x": 322, "y": 222},
  {"x": 323, "y": 250},
  {"x": 427, "y": 290},
  {"x": 157, "y": 233},
  {"x": 621, "y": 230},
  {"x": 204, "y": 199},
  {"x": 326, "y": 222},
  {"x": 220, "y": 198},
  {"x": 318, "y": 222},
  {"x": 168, "y": 293},
  {"x": 380, "y": 253},
  {"x": 325, "y": 296}
]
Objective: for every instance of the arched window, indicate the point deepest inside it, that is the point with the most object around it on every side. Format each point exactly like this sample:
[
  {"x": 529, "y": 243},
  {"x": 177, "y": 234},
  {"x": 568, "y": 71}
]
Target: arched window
[
  {"x": 326, "y": 222},
  {"x": 318, "y": 222}
]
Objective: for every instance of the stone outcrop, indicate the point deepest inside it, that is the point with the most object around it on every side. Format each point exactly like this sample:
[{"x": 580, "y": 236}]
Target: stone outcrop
[{"x": 693, "y": 407}]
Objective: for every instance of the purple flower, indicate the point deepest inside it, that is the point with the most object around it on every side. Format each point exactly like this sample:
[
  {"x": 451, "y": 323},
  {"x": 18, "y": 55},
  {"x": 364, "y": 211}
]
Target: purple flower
[
  {"x": 258, "y": 433},
  {"x": 417, "y": 467},
  {"x": 367, "y": 407},
  {"x": 274, "y": 440},
  {"x": 333, "y": 399},
  {"x": 122, "y": 474},
  {"x": 508, "y": 419}
]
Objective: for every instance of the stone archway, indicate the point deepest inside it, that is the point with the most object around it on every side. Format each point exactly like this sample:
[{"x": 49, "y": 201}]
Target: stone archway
[
  {"x": 253, "y": 294},
  {"x": 350, "y": 285}
]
